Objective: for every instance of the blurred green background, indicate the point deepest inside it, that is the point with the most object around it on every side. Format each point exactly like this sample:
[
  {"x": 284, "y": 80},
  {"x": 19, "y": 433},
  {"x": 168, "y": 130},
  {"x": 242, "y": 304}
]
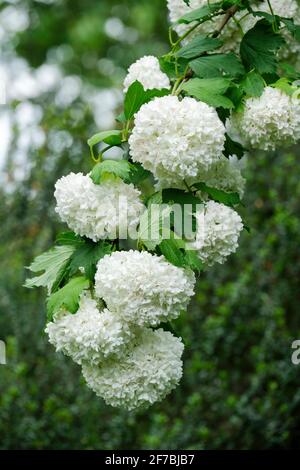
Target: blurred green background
[{"x": 64, "y": 62}]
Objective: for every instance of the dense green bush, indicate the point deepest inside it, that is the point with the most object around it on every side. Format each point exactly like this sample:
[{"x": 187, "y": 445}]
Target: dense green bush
[{"x": 239, "y": 389}]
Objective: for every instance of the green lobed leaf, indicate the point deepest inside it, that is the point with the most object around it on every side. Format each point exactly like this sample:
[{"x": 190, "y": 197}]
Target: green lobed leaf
[
  {"x": 112, "y": 138},
  {"x": 53, "y": 263},
  {"x": 120, "y": 168},
  {"x": 176, "y": 251},
  {"x": 87, "y": 256},
  {"x": 68, "y": 238},
  {"x": 229, "y": 199},
  {"x": 151, "y": 224},
  {"x": 201, "y": 14},
  {"x": 259, "y": 47},
  {"x": 253, "y": 84},
  {"x": 136, "y": 96},
  {"x": 67, "y": 297},
  {"x": 210, "y": 91},
  {"x": 215, "y": 65},
  {"x": 233, "y": 148},
  {"x": 198, "y": 46}
]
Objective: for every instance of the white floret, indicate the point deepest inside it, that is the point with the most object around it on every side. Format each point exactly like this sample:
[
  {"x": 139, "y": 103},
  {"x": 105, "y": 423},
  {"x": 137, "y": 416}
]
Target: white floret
[
  {"x": 177, "y": 139},
  {"x": 90, "y": 335},
  {"x": 143, "y": 289},
  {"x": 218, "y": 231},
  {"x": 97, "y": 211},
  {"x": 150, "y": 369},
  {"x": 147, "y": 71}
]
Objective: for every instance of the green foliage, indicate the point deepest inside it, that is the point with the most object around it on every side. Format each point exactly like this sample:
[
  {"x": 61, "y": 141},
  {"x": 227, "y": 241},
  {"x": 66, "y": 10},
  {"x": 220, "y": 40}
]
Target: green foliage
[
  {"x": 136, "y": 96},
  {"x": 216, "y": 65},
  {"x": 197, "y": 46},
  {"x": 209, "y": 90},
  {"x": 253, "y": 84},
  {"x": 67, "y": 297},
  {"x": 129, "y": 172},
  {"x": 86, "y": 256},
  {"x": 259, "y": 47},
  {"x": 53, "y": 263},
  {"x": 229, "y": 199},
  {"x": 201, "y": 14}
]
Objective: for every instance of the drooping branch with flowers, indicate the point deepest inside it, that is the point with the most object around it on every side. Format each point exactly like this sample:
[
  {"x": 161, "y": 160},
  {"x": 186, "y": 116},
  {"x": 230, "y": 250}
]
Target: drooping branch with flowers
[{"x": 227, "y": 87}]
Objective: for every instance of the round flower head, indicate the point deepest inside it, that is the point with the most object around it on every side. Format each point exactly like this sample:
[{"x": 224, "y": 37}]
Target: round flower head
[
  {"x": 141, "y": 288},
  {"x": 97, "y": 211},
  {"x": 150, "y": 369},
  {"x": 218, "y": 230},
  {"x": 147, "y": 71},
  {"x": 176, "y": 139},
  {"x": 89, "y": 335},
  {"x": 270, "y": 121}
]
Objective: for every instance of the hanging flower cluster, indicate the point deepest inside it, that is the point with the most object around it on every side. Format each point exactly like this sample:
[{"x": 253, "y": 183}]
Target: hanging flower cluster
[{"x": 126, "y": 269}]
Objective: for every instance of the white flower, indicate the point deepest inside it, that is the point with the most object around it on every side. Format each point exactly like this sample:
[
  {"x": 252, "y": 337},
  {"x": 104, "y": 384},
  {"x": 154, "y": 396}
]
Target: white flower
[
  {"x": 143, "y": 289},
  {"x": 90, "y": 335},
  {"x": 97, "y": 211},
  {"x": 267, "y": 122},
  {"x": 147, "y": 71},
  {"x": 176, "y": 139},
  {"x": 218, "y": 230},
  {"x": 225, "y": 174},
  {"x": 150, "y": 369}
]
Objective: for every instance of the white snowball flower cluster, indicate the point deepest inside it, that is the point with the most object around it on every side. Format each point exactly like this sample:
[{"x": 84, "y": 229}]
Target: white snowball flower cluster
[
  {"x": 270, "y": 121},
  {"x": 218, "y": 232},
  {"x": 186, "y": 137},
  {"x": 149, "y": 370},
  {"x": 147, "y": 71},
  {"x": 90, "y": 335},
  {"x": 97, "y": 211},
  {"x": 143, "y": 289}
]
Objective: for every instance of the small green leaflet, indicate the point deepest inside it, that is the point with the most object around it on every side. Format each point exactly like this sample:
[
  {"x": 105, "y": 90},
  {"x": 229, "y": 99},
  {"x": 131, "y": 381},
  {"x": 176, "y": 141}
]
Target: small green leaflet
[
  {"x": 198, "y": 46},
  {"x": 111, "y": 138},
  {"x": 172, "y": 67},
  {"x": 67, "y": 297},
  {"x": 136, "y": 96},
  {"x": 129, "y": 172},
  {"x": 210, "y": 91},
  {"x": 176, "y": 251},
  {"x": 233, "y": 148},
  {"x": 53, "y": 263},
  {"x": 201, "y": 14},
  {"x": 151, "y": 226},
  {"x": 215, "y": 65},
  {"x": 253, "y": 84},
  {"x": 87, "y": 256},
  {"x": 285, "y": 85},
  {"x": 120, "y": 168},
  {"x": 68, "y": 238},
  {"x": 229, "y": 199},
  {"x": 259, "y": 47}
]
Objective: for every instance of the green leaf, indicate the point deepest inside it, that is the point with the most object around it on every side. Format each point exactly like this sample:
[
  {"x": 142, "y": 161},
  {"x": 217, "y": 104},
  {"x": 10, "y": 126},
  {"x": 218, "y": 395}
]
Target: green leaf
[
  {"x": 67, "y": 297},
  {"x": 285, "y": 85},
  {"x": 87, "y": 256},
  {"x": 137, "y": 173},
  {"x": 259, "y": 47},
  {"x": 197, "y": 46},
  {"x": 176, "y": 251},
  {"x": 233, "y": 148},
  {"x": 293, "y": 28},
  {"x": 54, "y": 263},
  {"x": 151, "y": 224},
  {"x": 290, "y": 71},
  {"x": 136, "y": 96},
  {"x": 68, "y": 238},
  {"x": 210, "y": 91},
  {"x": 229, "y": 199},
  {"x": 112, "y": 138},
  {"x": 217, "y": 64},
  {"x": 201, "y": 14},
  {"x": 253, "y": 84},
  {"x": 120, "y": 168},
  {"x": 172, "y": 66}
]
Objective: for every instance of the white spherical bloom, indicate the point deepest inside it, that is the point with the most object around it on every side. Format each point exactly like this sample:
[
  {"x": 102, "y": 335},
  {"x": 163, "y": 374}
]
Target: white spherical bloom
[
  {"x": 149, "y": 370},
  {"x": 143, "y": 289},
  {"x": 270, "y": 121},
  {"x": 147, "y": 71},
  {"x": 176, "y": 139},
  {"x": 218, "y": 230},
  {"x": 97, "y": 211},
  {"x": 89, "y": 335}
]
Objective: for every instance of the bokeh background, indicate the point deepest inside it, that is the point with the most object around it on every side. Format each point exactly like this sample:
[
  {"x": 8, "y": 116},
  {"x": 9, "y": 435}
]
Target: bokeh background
[{"x": 63, "y": 62}]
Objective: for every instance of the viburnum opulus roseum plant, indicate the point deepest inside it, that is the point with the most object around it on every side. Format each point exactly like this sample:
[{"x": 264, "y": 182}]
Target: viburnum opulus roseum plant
[{"x": 228, "y": 86}]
